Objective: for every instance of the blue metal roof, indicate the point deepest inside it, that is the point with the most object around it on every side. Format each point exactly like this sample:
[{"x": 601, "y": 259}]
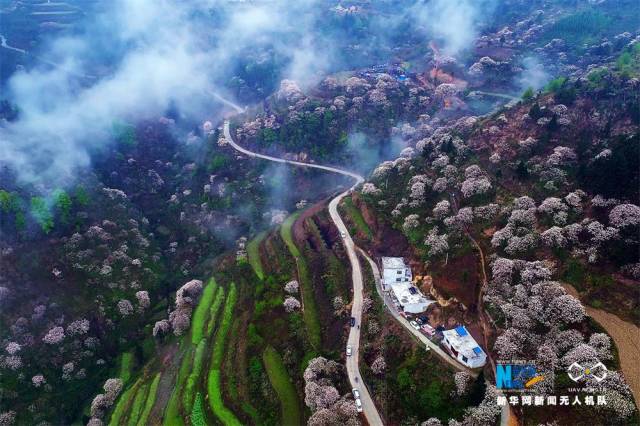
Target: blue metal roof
[
  {"x": 461, "y": 331},
  {"x": 477, "y": 350}
]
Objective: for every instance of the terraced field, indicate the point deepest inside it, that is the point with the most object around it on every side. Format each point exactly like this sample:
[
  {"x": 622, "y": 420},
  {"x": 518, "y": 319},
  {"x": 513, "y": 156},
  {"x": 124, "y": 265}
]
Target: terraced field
[
  {"x": 310, "y": 312},
  {"x": 213, "y": 382},
  {"x": 281, "y": 382},
  {"x": 253, "y": 253},
  {"x": 209, "y": 375},
  {"x": 196, "y": 397}
]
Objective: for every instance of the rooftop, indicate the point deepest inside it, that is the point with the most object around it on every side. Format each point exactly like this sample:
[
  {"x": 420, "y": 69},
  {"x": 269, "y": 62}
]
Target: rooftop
[
  {"x": 393, "y": 263},
  {"x": 463, "y": 342},
  {"x": 406, "y": 293}
]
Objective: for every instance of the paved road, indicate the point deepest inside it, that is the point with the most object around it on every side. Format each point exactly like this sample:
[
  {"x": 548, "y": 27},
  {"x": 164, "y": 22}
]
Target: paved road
[
  {"x": 5, "y": 45},
  {"x": 368, "y": 406}
]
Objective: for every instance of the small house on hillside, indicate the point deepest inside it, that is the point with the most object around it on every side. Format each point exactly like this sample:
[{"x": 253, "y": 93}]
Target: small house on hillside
[
  {"x": 397, "y": 277},
  {"x": 394, "y": 271},
  {"x": 463, "y": 347}
]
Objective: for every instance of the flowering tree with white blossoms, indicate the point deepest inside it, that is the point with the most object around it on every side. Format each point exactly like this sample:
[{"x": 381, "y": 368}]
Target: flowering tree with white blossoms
[
  {"x": 624, "y": 215},
  {"x": 437, "y": 243},
  {"x": 291, "y": 304}
]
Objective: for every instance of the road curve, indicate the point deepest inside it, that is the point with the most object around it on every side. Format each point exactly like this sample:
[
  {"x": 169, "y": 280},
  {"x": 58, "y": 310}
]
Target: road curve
[{"x": 368, "y": 406}]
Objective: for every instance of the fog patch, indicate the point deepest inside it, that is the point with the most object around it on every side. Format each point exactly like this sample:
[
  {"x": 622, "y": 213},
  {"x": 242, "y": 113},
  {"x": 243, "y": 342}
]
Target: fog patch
[
  {"x": 533, "y": 75},
  {"x": 454, "y": 23}
]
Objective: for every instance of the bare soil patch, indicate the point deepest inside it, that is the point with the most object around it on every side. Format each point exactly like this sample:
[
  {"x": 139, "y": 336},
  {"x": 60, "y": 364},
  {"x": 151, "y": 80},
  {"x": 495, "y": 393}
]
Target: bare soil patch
[{"x": 627, "y": 339}]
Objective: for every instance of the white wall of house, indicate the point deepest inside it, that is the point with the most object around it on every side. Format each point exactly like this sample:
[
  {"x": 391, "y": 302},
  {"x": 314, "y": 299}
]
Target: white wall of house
[{"x": 476, "y": 361}]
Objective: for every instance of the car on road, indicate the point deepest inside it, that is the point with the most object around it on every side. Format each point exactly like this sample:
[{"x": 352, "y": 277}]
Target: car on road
[
  {"x": 349, "y": 351},
  {"x": 428, "y": 330},
  {"x": 358, "y": 405},
  {"x": 356, "y": 393},
  {"x": 343, "y": 234},
  {"x": 353, "y": 321},
  {"x": 414, "y": 325}
]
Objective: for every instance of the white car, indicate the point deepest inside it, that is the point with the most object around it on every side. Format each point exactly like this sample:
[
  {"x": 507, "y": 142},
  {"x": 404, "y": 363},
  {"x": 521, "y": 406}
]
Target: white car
[
  {"x": 343, "y": 234},
  {"x": 349, "y": 350},
  {"x": 414, "y": 325},
  {"x": 356, "y": 393},
  {"x": 358, "y": 405}
]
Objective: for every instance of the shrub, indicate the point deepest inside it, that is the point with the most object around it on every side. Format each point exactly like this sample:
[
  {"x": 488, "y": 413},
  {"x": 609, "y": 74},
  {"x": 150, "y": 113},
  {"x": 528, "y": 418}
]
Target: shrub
[
  {"x": 197, "y": 413},
  {"x": 555, "y": 84}
]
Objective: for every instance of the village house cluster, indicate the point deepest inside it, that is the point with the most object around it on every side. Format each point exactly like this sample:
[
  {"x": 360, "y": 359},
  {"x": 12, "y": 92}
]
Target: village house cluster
[{"x": 397, "y": 281}]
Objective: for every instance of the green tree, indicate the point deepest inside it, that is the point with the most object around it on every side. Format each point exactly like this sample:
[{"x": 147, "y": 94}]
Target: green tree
[
  {"x": 8, "y": 202},
  {"x": 528, "y": 94},
  {"x": 81, "y": 195},
  {"x": 555, "y": 84},
  {"x": 63, "y": 203},
  {"x": 42, "y": 214}
]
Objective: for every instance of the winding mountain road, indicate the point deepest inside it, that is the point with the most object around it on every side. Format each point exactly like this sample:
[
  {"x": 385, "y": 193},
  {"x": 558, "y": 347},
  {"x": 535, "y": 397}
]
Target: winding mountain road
[{"x": 355, "y": 378}]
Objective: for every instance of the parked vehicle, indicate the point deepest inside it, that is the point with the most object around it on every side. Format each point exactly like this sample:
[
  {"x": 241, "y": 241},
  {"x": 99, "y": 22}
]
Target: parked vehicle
[
  {"x": 343, "y": 234},
  {"x": 428, "y": 330},
  {"x": 424, "y": 318},
  {"x": 419, "y": 321},
  {"x": 356, "y": 393},
  {"x": 414, "y": 325},
  {"x": 349, "y": 350},
  {"x": 353, "y": 321},
  {"x": 358, "y": 405}
]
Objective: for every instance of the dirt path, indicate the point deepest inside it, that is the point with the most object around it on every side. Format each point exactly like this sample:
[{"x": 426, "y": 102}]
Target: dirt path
[{"x": 627, "y": 339}]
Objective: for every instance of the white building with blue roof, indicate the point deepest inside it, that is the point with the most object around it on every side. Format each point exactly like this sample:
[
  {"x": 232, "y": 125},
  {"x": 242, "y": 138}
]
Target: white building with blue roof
[{"x": 464, "y": 347}]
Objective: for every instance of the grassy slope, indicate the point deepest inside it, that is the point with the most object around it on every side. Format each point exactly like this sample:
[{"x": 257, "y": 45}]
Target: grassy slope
[
  {"x": 253, "y": 252},
  {"x": 357, "y": 218},
  {"x": 213, "y": 383},
  {"x": 202, "y": 310},
  {"x": 310, "y": 313},
  {"x": 123, "y": 404},
  {"x": 172, "y": 416},
  {"x": 213, "y": 311},
  {"x": 281, "y": 382},
  {"x": 125, "y": 366},
  {"x": 136, "y": 408},
  {"x": 151, "y": 399},
  {"x": 192, "y": 380}
]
